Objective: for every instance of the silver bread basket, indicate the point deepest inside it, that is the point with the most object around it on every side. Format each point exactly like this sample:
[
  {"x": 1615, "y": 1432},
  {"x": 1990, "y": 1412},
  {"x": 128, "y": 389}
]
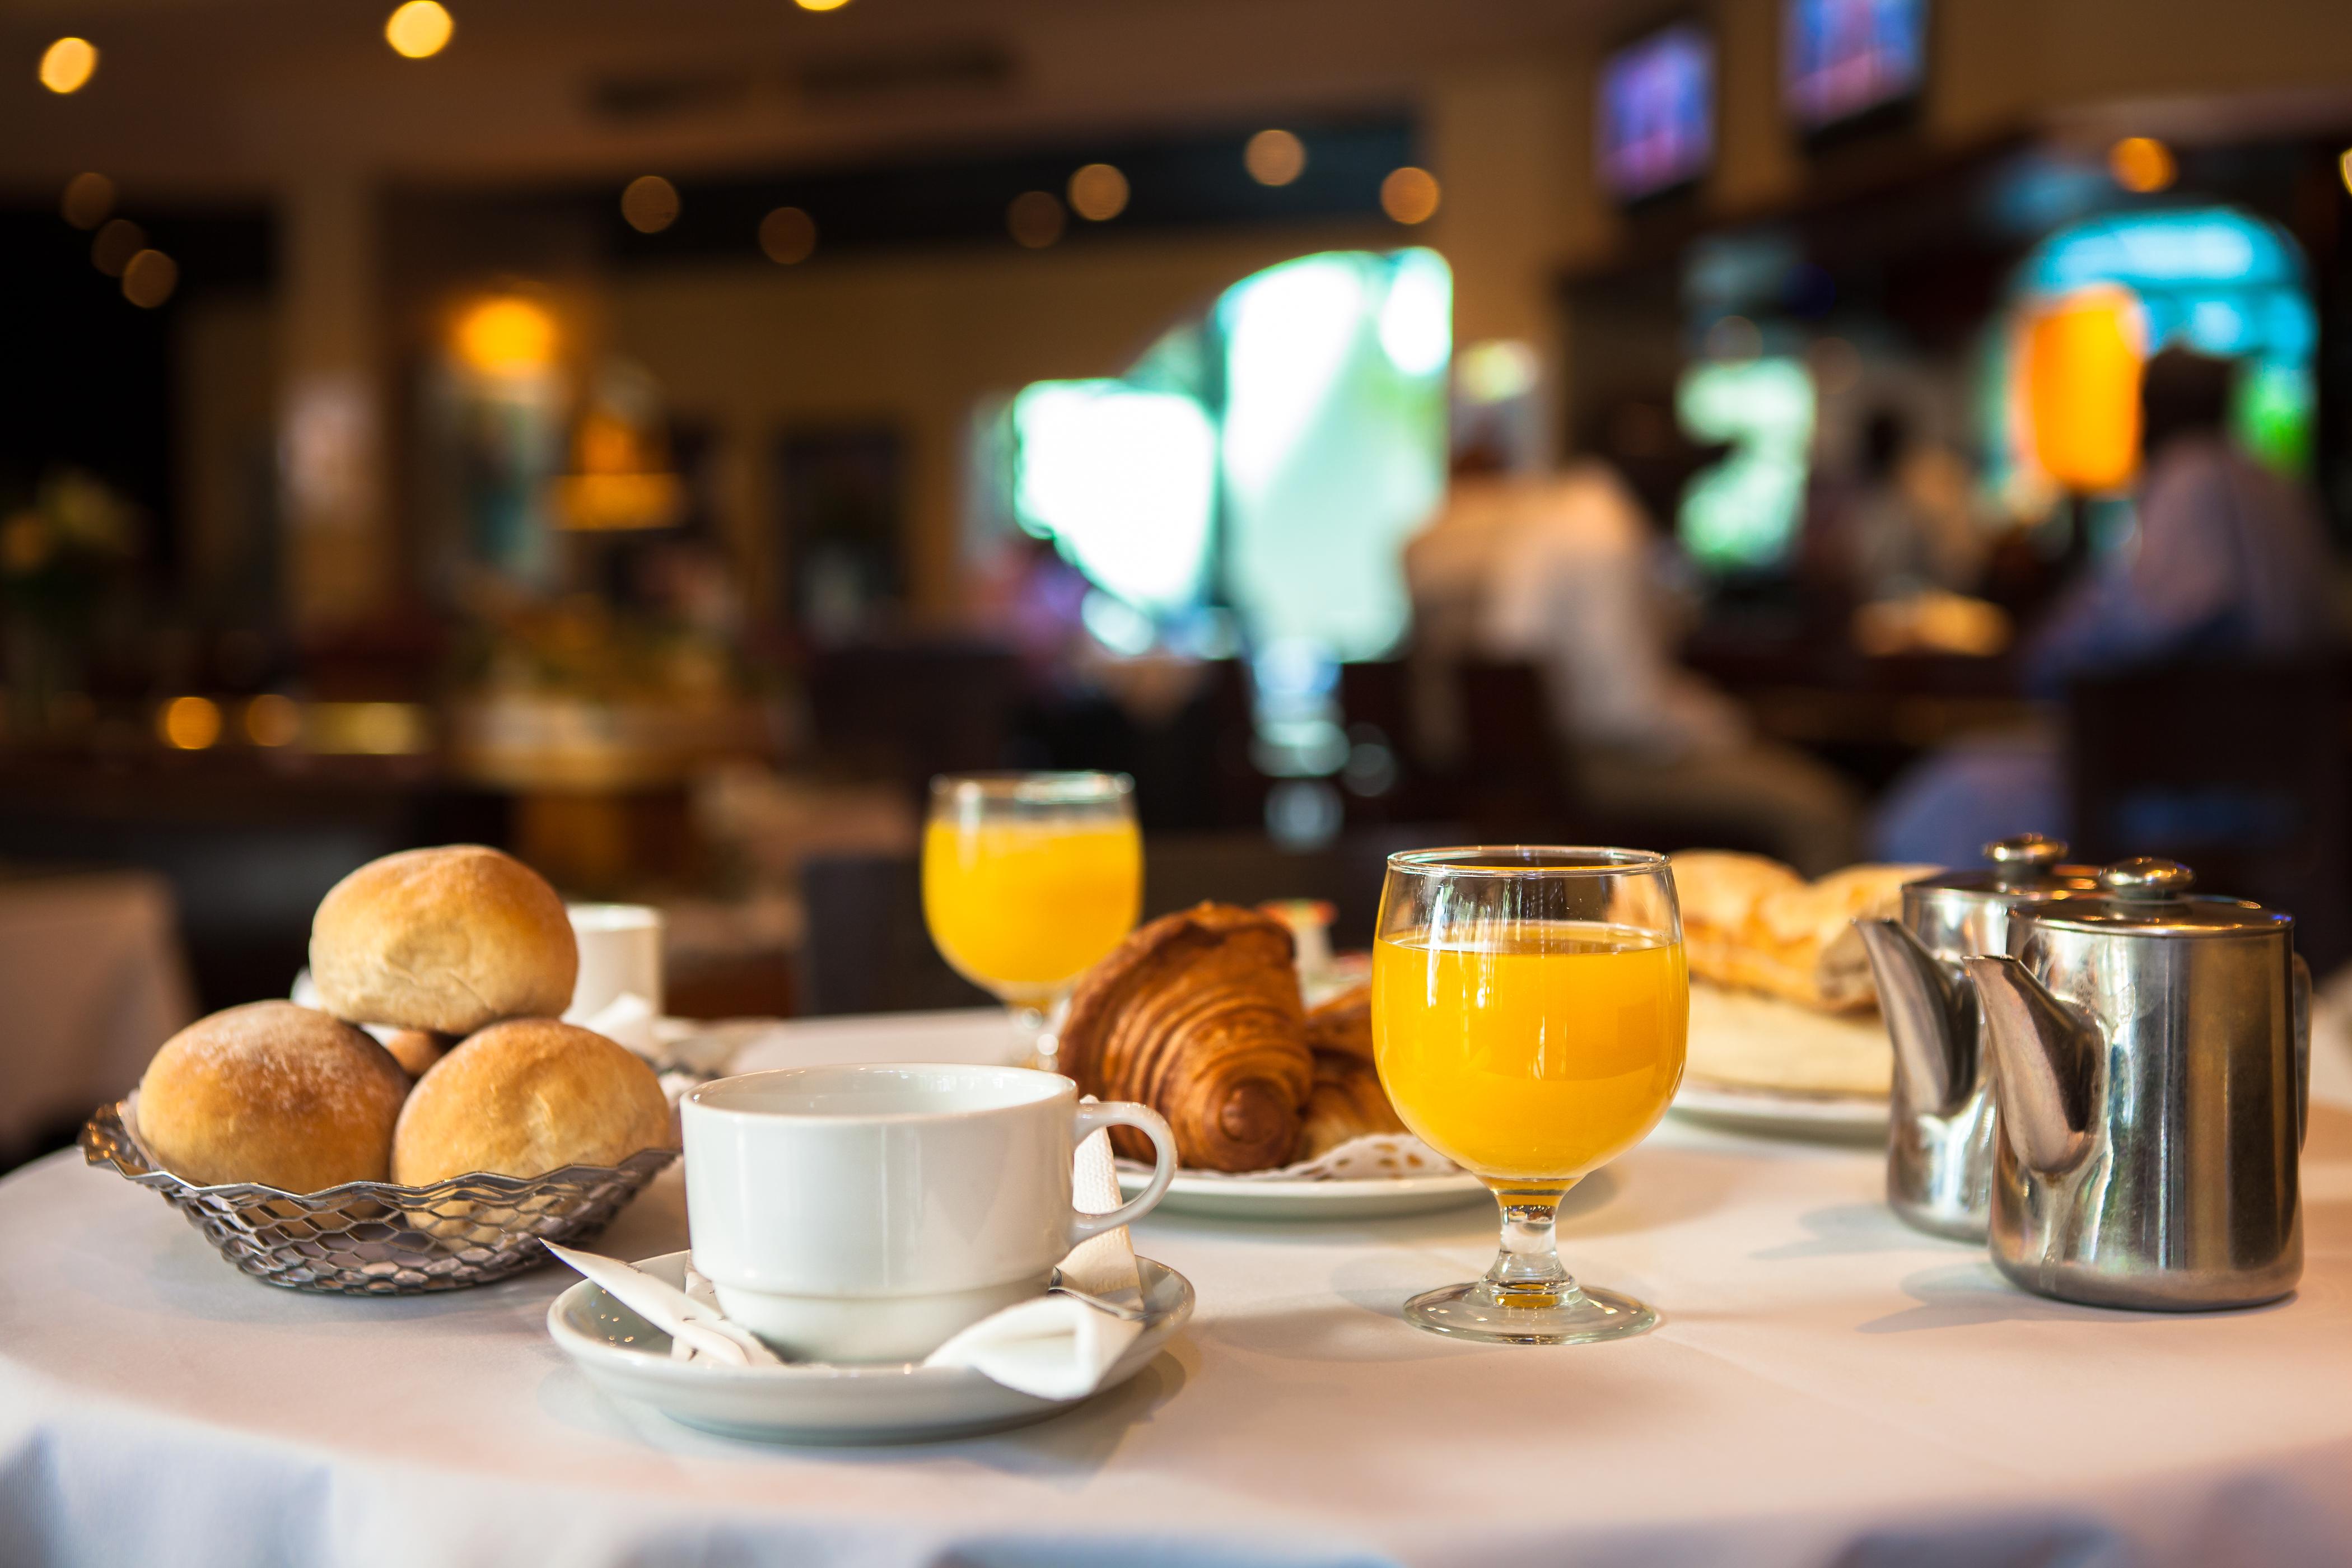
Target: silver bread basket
[{"x": 373, "y": 1238}]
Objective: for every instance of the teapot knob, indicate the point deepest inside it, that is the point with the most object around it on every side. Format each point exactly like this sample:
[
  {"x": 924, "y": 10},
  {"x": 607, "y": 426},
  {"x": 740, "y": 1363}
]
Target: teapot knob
[
  {"x": 2145, "y": 877},
  {"x": 2024, "y": 856}
]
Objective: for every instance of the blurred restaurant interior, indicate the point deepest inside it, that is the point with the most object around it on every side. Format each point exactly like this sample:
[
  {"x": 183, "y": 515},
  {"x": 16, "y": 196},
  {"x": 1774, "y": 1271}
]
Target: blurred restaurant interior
[{"x": 656, "y": 439}]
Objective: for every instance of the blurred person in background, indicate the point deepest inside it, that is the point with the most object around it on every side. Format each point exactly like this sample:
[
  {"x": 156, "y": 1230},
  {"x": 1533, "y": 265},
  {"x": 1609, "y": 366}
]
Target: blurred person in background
[
  {"x": 1911, "y": 528},
  {"x": 1570, "y": 572},
  {"x": 2227, "y": 561}
]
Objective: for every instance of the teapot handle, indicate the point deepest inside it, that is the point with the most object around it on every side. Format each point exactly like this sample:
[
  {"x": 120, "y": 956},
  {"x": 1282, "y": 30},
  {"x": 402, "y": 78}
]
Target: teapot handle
[{"x": 2299, "y": 997}]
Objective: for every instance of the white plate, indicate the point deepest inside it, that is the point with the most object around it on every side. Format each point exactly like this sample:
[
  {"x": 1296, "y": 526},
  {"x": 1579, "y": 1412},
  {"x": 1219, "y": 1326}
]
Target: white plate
[
  {"x": 1373, "y": 1197},
  {"x": 813, "y": 1403},
  {"x": 1835, "y": 1118}
]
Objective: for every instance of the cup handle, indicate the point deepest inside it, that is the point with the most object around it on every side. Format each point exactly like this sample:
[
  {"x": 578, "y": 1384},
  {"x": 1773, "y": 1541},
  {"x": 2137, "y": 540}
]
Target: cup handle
[{"x": 1089, "y": 1119}]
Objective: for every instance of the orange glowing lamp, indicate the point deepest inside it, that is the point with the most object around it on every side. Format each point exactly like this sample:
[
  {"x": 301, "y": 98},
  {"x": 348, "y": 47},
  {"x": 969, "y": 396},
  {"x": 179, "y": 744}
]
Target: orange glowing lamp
[{"x": 2080, "y": 369}]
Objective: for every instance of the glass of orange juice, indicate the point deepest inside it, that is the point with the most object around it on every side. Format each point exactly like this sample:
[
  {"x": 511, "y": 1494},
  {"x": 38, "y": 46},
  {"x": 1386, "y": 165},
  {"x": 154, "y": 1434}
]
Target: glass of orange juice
[
  {"x": 1529, "y": 1012},
  {"x": 1029, "y": 880}
]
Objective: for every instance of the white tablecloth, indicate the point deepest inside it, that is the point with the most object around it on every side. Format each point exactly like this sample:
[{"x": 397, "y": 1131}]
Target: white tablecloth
[
  {"x": 1828, "y": 1387},
  {"x": 90, "y": 983}
]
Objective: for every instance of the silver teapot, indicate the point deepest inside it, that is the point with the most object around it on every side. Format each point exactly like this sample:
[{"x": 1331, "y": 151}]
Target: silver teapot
[
  {"x": 2151, "y": 1071},
  {"x": 1939, "y": 1127}
]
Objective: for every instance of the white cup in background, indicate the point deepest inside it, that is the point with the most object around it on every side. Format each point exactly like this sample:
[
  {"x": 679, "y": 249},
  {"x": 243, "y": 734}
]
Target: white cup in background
[
  {"x": 869, "y": 1213},
  {"x": 620, "y": 955}
]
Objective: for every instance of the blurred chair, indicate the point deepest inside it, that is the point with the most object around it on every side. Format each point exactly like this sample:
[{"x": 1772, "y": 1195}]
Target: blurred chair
[
  {"x": 1388, "y": 776},
  {"x": 1516, "y": 781},
  {"x": 2238, "y": 771},
  {"x": 907, "y": 711}
]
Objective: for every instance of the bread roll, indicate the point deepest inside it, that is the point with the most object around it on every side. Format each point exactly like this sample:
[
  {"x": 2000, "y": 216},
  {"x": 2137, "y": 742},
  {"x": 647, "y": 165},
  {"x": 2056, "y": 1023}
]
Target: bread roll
[
  {"x": 525, "y": 1097},
  {"x": 274, "y": 1094},
  {"x": 1197, "y": 1016},
  {"x": 448, "y": 940},
  {"x": 417, "y": 1049}
]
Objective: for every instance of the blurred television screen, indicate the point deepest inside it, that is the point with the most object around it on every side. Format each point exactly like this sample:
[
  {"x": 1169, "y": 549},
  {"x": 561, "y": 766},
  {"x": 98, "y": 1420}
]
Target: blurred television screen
[
  {"x": 1845, "y": 58},
  {"x": 1657, "y": 111}
]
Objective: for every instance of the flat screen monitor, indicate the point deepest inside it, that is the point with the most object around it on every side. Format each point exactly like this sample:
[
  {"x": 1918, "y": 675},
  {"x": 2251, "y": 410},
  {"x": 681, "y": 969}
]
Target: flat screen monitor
[
  {"x": 1657, "y": 111},
  {"x": 1843, "y": 58}
]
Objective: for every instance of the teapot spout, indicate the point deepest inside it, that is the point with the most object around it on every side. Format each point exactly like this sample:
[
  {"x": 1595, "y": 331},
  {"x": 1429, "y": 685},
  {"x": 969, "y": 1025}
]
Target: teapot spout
[
  {"x": 2045, "y": 1062},
  {"x": 1930, "y": 1019}
]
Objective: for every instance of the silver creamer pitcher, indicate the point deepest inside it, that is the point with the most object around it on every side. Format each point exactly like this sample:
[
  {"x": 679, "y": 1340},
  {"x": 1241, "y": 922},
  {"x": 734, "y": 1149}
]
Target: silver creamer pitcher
[
  {"x": 2151, "y": 1055},
  {"x": 1940, "y": 1126}
]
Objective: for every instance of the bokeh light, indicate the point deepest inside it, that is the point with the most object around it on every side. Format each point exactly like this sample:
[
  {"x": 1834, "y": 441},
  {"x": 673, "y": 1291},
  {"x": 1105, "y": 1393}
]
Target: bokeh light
[
  {"x": 273, "y": 719},
  {"x": 150, "y": 279},
  {"x": 117, "y": 243},
  {"x": 506, "y": 334},
  {"x": 1410, "y": 195},
  {"x": 650, "y": 204},
  {"x": 419, "y": 28},
  {"x": 1099, "y": 193},
  {"x": 788, "y": 236},
  {"x": 89, "y": 200},
  {"x": 2142, "y": 163},
  {"x": 68, "y": 65},
  {"x": 1034, "y": 219},
  {"x": 2343, "y": 167},
  {"x": 189, "y": 723},
  {"x": 822, "y": 5},
  {"x": 1274, "y": 157}
]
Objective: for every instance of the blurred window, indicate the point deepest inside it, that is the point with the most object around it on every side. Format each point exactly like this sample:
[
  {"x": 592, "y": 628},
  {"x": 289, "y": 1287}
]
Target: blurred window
[{"x": 1742, "y": 515}]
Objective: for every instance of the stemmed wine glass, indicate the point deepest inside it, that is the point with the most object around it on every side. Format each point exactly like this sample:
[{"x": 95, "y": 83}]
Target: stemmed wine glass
[
  {"x": 1529, "y": 1012},
  {"x": 1029, "y": 880}
]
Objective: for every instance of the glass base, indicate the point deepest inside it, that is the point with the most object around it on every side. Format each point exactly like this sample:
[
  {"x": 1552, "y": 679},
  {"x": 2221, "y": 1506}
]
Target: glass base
[{"x": 1574, "y": 1316}]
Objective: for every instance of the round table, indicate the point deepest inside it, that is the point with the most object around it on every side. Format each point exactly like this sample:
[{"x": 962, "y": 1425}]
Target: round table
[{"x": 1827, "y": 1387}]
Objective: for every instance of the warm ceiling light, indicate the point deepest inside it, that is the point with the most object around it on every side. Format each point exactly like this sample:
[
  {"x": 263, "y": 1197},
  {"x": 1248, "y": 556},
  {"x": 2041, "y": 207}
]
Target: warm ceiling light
[
  {"x": 822, "y": 5},
  {"x": 273, "y": 718},
  {"x": 68, "y": 65},
  {"x": 787, "y": 236},
  {"x": 650, "y": 204},
  {"x": 89, "y": 200},
  {"x": 1410, "y": 195},
  {"x": 505, "y": 335},
  {"x": 1099, "y": 193},
  {"x": 189, "y": 723},
  {"x": 2343, "y": 167},
  {"x": 1034, "y": 219},
  {"x": 1274, "y": 157},
  {"x": 116, "y": 244},
  {"x": 150, "y": 279},
  {"x": 2141, "y": 163},
  {"x": 419, "y": 28}
]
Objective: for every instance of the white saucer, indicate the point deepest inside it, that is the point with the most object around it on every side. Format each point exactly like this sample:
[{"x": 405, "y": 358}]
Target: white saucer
[
  {"x": 1782, "y": 1113},
  {"x": 1372, "y": 1197},
  {"x": 810, "y": 1402}
]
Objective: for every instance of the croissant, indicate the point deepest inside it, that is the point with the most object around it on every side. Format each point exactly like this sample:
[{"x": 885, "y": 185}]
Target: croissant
[
  {"x": 1342, "y": 1025},
  {"x": 1197, "y": 1016},
  {"x": 1346, "y": 1103}
]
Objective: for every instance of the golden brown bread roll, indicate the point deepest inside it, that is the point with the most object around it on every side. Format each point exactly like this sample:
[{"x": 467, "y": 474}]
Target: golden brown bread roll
[
  {"x": 1343, "y": 1024},
  {"x": 447, "y": 939},
  {"x": 417, "y": 1049},
  {"x": 1197, "y": 1016},
  {"x": 525, "y": 1097},
  {"x": 1347, "y": 1102},
  {"x": 1754, "y": 924},
  {"x": 271, "y": 1093}
]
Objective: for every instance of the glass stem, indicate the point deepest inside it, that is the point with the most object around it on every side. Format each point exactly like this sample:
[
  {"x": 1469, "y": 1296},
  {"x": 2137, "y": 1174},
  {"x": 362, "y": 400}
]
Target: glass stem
[
  {"x": 1528, "y": 1271},
  {"x": 1038, "y": 1045}
]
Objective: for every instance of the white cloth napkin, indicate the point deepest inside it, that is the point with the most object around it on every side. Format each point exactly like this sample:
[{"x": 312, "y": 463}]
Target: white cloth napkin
[
  {"x": 627, "y": 1019},
  {"x": 1053, "y": 1346}
]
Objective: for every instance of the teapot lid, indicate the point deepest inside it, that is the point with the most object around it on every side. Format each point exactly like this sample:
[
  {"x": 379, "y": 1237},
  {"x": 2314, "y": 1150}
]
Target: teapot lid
[
  {"x": 2150, "y": 897},
  {"x": 2026, "y": 868}
]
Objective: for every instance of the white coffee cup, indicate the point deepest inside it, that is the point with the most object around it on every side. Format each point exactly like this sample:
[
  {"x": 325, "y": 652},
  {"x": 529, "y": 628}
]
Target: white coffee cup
[
  {"x": 620, "y": 955},
  {"x": 868, "y": 1212}
]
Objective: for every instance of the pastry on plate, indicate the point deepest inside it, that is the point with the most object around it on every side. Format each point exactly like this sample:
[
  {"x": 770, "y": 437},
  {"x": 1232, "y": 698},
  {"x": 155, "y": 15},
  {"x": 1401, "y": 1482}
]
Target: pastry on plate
[
  {"x": 1754, "y": 924},
  {"x": 1197, "y": 1016}
]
